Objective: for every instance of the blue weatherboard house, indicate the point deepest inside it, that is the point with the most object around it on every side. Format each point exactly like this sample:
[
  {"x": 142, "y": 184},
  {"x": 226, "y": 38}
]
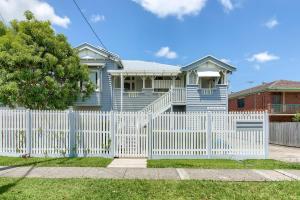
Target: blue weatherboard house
[{"x": 133, "y": 85}]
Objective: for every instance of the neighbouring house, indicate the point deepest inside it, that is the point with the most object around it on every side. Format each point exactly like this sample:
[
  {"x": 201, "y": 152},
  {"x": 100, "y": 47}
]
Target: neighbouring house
[
  {"x": 133, "y": 85},
  {"x": 281, "y": 98}
]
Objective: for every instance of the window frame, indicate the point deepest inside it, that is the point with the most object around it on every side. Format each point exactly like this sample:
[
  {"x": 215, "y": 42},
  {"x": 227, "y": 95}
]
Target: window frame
[
  {"x": 131, "y": 82},
  {"x": 98, "y": 78},
  {"x": 239, "y": 103}
]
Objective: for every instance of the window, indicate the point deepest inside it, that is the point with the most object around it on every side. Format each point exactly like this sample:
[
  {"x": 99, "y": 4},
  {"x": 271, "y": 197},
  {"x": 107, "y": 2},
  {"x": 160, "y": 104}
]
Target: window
[
  {"x": 95, "y": 78},
  {"x": 117, "y": 81},
  {"x": 241, "y": 103},
  {"x": 129, "y": 83}
]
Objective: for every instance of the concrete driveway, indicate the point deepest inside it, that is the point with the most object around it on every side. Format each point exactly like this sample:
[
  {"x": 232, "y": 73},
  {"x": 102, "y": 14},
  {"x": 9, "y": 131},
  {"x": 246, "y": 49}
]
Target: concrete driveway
[{"x": 283, "y": 153}]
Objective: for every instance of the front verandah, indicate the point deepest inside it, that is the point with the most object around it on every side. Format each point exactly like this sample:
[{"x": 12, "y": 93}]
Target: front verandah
[
  {"x": 134, "y": 92},
  {"x": 284, "y": 102}
]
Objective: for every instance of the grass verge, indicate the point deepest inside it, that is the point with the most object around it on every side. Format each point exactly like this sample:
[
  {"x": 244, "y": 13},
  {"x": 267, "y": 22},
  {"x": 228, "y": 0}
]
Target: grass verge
[
  {"x": 55, "y": 162},
  {"x": 222, "y": 164},
  {"x": 31, "y": 188}
]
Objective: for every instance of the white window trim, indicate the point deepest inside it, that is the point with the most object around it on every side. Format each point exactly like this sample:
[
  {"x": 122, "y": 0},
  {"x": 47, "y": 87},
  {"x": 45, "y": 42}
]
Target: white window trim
[{"x": 98, "y": 81}]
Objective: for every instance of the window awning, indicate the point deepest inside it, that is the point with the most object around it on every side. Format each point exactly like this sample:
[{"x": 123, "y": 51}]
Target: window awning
[{"x": 208, "y": 74}]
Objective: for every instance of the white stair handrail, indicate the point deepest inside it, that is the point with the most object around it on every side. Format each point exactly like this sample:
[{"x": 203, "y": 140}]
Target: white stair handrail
[
  {"x": 160, "y": 103},
  {"x": 174, "y": 95}
]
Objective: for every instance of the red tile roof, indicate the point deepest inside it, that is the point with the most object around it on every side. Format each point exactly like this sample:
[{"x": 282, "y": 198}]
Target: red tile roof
[{"x": 280, "y": 85}]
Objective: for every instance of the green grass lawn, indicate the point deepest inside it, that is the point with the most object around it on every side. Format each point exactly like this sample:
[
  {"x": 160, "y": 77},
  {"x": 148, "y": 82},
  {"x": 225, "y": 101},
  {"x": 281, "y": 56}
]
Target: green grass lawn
[
  {"x": 55, "y": 162},
  {"x": 222, "y": 164},
  {"x": 56, "y": 189}
]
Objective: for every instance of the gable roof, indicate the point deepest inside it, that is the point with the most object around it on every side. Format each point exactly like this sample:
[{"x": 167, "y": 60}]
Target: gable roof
[
  {"x": 279, "y": 85},
  {"x": 206, "y": 59},
  {"x": 99, "y": 50}
]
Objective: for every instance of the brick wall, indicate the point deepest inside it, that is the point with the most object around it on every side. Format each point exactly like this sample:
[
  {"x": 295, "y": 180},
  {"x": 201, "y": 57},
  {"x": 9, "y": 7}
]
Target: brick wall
[
  {"x": 257, "y": 101},
  {"x": 292, "y": 98}
]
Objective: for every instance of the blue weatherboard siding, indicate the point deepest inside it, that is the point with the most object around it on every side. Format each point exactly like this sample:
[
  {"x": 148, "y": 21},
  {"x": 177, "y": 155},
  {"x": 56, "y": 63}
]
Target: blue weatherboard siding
[
  {"x": 106, "y": 104},
  {"x": 200, "y": 102},
  {"x": 134, "y": 103}
]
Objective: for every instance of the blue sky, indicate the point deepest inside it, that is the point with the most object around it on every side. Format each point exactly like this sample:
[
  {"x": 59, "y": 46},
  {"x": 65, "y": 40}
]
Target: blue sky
[{"x": 260, "y": 37}]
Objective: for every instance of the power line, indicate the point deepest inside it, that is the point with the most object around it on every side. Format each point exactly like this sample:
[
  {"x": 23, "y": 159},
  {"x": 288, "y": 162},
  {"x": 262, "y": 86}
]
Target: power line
[{"x": 85, "y": 19}]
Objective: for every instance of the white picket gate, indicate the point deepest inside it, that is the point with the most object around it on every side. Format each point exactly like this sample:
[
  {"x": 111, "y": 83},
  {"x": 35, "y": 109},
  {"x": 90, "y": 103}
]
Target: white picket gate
[
  {"x": 131, "y": 134},
  {"x": 134, "y": 134}
]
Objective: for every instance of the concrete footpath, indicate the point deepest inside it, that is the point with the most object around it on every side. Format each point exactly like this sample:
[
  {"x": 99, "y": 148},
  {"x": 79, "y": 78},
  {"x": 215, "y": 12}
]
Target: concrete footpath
[{"x": 151, "y": 173}]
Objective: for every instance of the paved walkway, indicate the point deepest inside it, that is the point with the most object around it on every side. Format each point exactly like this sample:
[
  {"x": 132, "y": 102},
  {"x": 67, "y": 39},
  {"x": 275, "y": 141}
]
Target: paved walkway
[
  {"x": 283, "y": 153},
  {"x": 128, "y": 163},
  {"x": 151, "y": 173}
]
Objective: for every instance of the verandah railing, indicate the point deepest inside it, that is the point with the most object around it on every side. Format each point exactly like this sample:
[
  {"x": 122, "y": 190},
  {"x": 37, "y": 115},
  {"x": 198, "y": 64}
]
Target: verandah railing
[
  {"x": 134, "y": 134},
  {"x": 166, "y": 84},
  {"x": 284, "y": 108}
]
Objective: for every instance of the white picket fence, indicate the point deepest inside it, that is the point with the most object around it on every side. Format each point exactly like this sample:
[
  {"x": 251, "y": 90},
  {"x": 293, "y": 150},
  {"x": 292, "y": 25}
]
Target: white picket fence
[
  {"x": 134, "y": 134},
  {"x": 210, "y": 135},
  {"x": 55, "y": 133}
]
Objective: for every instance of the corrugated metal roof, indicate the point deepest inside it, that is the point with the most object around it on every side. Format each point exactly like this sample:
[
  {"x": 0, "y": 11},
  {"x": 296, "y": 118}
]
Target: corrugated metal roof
[
  {"x": 279, "y": 85},
  {"x": 133, "y": 65},
  {"x": 138, "y": 66}
]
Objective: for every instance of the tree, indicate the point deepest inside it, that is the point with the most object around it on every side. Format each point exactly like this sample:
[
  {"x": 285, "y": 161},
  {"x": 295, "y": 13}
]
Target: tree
[
  {"x": 296, "y": 118},
  {"x": 38, "y": 68}
]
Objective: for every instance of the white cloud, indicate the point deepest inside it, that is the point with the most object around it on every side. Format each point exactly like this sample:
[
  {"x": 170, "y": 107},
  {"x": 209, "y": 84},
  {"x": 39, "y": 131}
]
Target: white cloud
[
  {"x": 166, "y": 53},
  {"x": 14, "y": 9},
  {"x": 271, "y": 23},
  {"x": 225, "y": 60},
  {"x": 97, "y": 18},
  {"x": 263, "y": 57},
  {"x": 178, "y": 8},
  {"x": 227, "y": 4},
  {"x": 230, "y": 5}
]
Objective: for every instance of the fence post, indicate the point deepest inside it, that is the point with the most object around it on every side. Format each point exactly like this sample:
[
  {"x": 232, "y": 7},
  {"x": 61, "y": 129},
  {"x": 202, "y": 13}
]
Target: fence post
[
  {"x": 150, "y": 136},
  {"x": 208, "y": 136},
  {"x": 266, "y": 132},
  {"x": 28, "y": 132},
  {"x": 112, "y": 134},
  {"x": 72, "y": 145}
]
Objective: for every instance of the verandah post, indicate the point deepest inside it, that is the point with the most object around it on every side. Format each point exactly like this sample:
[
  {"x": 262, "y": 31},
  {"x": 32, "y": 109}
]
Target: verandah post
[
  {"x": 266, "y": 134},
  {"x": 28, "y": 132},
  {"x": 72, "y": 145},
  {"x": 208, "y": 134}
]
